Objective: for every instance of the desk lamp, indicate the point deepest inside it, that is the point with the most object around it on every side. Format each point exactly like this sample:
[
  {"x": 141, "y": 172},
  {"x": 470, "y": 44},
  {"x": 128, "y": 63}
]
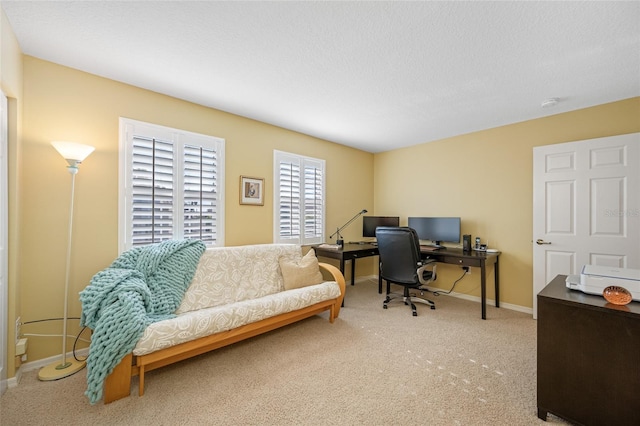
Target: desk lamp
[
  {"x": 339, "y": 239},
  {"x": 74, "y": 153}
]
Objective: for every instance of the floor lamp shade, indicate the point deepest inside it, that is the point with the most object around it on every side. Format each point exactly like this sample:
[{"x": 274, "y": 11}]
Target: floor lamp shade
[{"x": 74, "y": 153}]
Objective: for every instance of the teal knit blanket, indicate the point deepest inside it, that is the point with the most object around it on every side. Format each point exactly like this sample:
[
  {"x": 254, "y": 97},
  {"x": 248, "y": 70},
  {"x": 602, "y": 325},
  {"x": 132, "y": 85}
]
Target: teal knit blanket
[{"x": 142, "y": 286}]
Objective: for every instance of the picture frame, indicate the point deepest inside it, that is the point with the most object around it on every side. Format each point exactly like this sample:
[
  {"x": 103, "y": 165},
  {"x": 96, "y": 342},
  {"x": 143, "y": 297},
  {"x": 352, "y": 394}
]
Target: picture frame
[{"x": 251, "y": 191}]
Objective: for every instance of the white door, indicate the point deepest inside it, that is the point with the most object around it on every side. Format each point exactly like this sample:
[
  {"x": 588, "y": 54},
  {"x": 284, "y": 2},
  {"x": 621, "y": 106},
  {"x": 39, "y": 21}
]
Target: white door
[
  {"x": 586, "y": 207},
  {"x": 4, "y": 240}
]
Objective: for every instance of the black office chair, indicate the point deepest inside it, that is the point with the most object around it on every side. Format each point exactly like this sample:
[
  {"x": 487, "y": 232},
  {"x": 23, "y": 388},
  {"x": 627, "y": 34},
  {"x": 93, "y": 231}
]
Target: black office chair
[{"x": 400, "y": 263}]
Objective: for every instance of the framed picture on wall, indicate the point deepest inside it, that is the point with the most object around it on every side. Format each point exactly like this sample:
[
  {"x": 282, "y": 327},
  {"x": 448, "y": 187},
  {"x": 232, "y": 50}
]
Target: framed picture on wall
[{"x": 251, "y": 191}]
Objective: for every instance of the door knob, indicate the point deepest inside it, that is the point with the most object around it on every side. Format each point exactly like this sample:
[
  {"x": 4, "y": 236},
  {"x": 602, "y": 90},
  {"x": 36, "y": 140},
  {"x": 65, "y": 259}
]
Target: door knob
[{"x": 541, "y": 242}]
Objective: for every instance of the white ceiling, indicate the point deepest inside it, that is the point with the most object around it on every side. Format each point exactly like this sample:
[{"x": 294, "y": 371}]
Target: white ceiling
[{"x": 372, "y": 75}]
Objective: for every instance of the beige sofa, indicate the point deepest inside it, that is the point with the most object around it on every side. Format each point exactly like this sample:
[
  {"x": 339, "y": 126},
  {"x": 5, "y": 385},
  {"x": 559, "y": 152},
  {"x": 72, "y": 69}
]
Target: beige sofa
[{"x": 236, "y": 293}]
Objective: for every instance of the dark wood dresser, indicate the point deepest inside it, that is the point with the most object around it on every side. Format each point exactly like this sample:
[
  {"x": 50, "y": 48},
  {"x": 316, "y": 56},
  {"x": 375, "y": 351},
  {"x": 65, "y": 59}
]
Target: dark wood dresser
[{"x": 588, "y": 357}]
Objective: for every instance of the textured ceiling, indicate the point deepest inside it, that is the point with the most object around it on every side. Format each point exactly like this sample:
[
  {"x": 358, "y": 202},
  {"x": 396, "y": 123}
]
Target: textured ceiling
[{"x": 372, "y": 75}]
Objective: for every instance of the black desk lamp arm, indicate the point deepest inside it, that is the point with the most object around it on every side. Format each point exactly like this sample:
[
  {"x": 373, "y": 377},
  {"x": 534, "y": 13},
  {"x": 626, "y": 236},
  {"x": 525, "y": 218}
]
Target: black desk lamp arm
[{"x": 347, "y": 224}]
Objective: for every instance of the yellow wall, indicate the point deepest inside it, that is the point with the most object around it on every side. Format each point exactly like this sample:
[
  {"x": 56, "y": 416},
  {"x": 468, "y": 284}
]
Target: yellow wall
[
  {"x": 486, "y": 179},
  {"x": 65, "y": 104}
]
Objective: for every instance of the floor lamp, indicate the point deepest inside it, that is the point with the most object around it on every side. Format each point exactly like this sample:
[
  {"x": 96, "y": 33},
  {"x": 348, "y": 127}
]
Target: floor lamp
[{"x": 74, "y": 153}]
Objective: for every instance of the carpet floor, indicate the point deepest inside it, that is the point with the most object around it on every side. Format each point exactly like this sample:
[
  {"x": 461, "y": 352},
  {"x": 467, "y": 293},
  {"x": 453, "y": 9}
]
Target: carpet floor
[{"x": 371, "y": 367}]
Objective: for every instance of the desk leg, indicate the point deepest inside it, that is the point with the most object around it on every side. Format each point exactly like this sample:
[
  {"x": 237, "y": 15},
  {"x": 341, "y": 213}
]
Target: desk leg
[
  {"x": 353, "y": 271},
  {"x": 483, "y": 288},
  {"x": 342, "y": 270},
  {"x": 497, "y": 282}
]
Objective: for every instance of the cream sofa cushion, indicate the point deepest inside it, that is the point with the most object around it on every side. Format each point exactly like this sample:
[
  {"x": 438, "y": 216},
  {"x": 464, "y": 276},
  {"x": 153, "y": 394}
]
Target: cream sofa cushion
[
  {"x": 204, "y": 322},
  {"x": 232, "y": 274}
]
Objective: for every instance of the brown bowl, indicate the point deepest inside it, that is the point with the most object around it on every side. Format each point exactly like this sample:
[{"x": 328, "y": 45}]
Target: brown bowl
[{"x": 617, "y": 295}]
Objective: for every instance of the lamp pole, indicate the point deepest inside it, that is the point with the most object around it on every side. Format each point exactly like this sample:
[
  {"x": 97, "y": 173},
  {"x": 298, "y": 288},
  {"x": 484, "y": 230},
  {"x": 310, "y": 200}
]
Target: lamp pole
[{"x": 73, "y": 169}]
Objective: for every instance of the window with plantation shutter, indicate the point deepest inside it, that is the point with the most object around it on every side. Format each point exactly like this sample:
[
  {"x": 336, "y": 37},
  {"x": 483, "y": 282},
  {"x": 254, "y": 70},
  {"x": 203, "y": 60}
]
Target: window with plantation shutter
[
  {"x": 173, "y": 184},
  {"x": 298, "y": 199}
]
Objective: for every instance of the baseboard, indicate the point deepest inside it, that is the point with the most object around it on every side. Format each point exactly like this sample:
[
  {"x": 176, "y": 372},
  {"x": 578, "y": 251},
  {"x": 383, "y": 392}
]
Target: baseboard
[
  {"x": 38, "y": 364},
  {"x": 491, "y": 302},
  {"x": 12, "y": 382},
  {"x": 366, "y": 278}
]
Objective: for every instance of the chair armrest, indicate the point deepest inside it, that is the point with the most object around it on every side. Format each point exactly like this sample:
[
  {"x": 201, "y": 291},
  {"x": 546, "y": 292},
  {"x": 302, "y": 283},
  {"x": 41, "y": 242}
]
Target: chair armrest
[{"x": 430, "y": 265}]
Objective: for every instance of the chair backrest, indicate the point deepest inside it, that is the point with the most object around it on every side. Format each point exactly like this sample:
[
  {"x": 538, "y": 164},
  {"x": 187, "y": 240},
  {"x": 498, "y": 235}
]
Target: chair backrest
[{"x": 399, "y": 250}]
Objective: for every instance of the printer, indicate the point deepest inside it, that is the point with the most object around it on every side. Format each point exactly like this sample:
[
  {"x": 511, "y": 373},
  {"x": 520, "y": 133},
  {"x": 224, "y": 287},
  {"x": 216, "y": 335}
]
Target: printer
[{"x": 594, "y": 279}]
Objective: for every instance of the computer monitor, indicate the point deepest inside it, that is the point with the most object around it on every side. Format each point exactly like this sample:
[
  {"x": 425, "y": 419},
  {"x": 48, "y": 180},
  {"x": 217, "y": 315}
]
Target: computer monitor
[
  {"x": 437, "y": 229},
  {"x": 370, "y": 223}
]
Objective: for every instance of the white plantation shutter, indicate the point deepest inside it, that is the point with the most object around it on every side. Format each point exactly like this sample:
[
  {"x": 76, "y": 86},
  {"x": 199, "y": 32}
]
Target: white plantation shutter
[
  {"x": 173, "y": 183},
  {"x": 299, "y": 199},
  {"x": 152, "y": 191},
  {"x": 289, "y": 200},
  {"x": 313, "y": 201},
  {"x": 201, "y": 194}
]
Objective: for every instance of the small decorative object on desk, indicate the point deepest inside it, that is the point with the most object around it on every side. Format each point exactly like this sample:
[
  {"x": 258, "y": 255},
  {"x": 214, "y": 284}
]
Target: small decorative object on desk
[
  {"x": 617, "y": 295},
  {"x": 330, "y": 246}
]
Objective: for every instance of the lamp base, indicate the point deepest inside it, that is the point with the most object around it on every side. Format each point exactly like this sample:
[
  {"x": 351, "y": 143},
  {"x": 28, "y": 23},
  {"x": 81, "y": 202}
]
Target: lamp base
[{"x": 57, "y": 371}]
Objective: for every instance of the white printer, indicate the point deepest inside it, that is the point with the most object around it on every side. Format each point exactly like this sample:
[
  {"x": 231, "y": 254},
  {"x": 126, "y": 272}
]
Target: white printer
[{"x": 594, "y": 279}]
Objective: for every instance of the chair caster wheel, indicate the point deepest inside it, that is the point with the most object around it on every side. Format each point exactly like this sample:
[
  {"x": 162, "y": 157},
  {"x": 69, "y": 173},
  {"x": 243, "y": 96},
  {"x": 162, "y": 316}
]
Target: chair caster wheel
[
  {"x": 415, "y": 314},
  {"x": 384, "y": 306},
  {"x": 433, "y": 307}
]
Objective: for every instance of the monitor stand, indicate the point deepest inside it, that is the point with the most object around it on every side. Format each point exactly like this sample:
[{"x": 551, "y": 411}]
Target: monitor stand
[{"x": 433, "y": 245}]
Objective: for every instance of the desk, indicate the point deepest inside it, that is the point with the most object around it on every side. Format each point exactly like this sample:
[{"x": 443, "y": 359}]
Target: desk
[
  {"x": 348, "y": 252},
  {"x": 453, "y": 256},
  {"x": 481, "y": 259},
  {"x": 588, "y": 352},
  {"x": 456, "y": 256}
]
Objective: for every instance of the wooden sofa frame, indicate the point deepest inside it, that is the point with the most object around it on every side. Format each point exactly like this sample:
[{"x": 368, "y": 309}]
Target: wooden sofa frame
[{"x": 118, "y": 384}]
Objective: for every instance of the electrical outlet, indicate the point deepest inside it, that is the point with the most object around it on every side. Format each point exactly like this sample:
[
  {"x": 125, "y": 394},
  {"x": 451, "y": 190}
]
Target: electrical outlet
[
  {"x": 17, "y": 330},
  {"x": 466, "y": 269}
]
